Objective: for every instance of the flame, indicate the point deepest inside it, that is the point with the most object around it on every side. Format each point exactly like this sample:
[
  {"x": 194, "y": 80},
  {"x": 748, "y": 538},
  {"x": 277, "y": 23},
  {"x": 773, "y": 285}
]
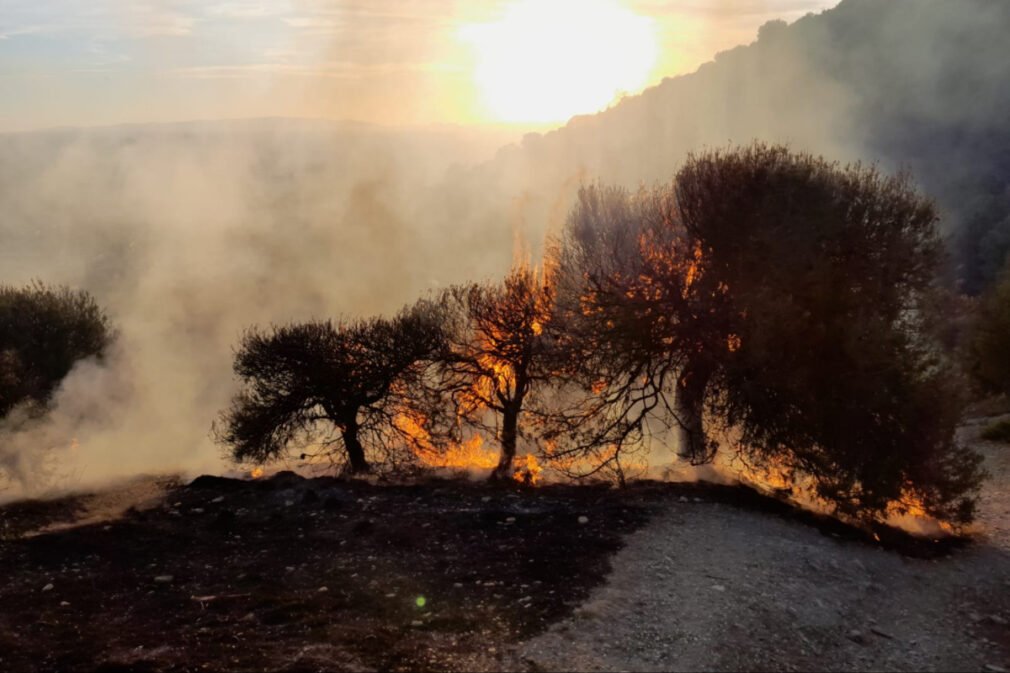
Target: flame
[
  {"x": 256, "y": 473},
  {"x": 908, "y": 512},
  {"x": 527, "y": 470},
  {"x": 470, "y": 454}
]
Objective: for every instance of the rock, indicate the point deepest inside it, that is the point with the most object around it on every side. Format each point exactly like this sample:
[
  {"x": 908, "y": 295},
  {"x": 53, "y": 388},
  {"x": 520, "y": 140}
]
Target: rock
[
  {"x": 197, "y": 510},
  {"x": 583, "y": 520},
  {"x": 163, "y": 579},
  {"x": 718, "y": 587},
  {"x": 323, "y": 590},
  {"x": 856, "y": 636},
  {"x": 880, "y": 632},
  {"x": 683, "y": 498},
  {"x": 486, "y": 498},
  {"x": 64, "y": 604},
  {"x": 993, "y": 668},
  {"x": 48, "y": 587},
  {"x": 512, "y": 519},
  {"x": 218, "y": 499},
  {"x": 997, "y": 620}
]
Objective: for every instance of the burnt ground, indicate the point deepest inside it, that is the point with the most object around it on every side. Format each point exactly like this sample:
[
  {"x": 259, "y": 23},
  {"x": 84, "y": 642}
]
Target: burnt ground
[{"x": 296, "y": 574}]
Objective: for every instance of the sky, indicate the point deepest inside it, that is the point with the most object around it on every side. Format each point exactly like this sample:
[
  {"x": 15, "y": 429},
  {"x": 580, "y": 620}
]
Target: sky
[{"x": 525, "y": 63}]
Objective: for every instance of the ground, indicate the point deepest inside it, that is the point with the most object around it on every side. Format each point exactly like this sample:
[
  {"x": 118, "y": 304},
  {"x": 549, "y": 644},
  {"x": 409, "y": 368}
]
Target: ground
[{"x": 322, "y": 574}]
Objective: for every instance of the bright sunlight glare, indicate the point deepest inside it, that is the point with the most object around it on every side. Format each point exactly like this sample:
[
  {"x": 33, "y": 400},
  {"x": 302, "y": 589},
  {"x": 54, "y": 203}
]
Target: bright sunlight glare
[{"x": 547, "y": 60}]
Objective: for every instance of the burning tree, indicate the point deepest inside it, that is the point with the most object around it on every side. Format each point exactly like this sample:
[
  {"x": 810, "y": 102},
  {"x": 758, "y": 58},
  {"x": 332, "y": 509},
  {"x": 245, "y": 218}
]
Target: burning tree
[
  {"x": 496, "y": 358},
  {"x": 632, "y": 322},
  {"x": 341, "y": 385},
  {"x": 776, "y": 304}
]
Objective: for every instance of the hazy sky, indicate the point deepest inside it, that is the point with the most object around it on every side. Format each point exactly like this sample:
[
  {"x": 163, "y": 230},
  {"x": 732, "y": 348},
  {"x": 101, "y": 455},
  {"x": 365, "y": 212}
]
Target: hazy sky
[{"x": 88, "y": 62}]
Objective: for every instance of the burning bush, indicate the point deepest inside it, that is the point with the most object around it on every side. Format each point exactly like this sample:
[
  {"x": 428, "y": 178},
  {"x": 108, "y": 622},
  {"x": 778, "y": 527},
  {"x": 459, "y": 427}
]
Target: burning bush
[
  {"x": 776, "y": 304},
  {"x": 44, "y": 331},
  {"x": 337, "y": 386}
]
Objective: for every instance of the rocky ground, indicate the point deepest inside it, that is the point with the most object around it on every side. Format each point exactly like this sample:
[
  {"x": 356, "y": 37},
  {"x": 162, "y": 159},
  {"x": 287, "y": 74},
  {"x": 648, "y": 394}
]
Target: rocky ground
[{"x": 300, "y": 574}]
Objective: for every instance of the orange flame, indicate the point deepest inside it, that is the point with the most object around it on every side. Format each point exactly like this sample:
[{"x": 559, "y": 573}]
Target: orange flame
[
  {"x": 527, "y": 470},
  {"x": 470, "y": 454},
  {"x": 256, "y": 473}
]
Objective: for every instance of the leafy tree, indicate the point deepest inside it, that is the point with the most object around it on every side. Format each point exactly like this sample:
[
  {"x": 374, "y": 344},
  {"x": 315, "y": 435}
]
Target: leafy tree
[
  {"x": 496, "y": 357},
  {"x": 778, "y": 304},
  {"x": 989, "y": 341},
  {"x": 44, "y": 331},
  {"x": 337, "y": 383}
]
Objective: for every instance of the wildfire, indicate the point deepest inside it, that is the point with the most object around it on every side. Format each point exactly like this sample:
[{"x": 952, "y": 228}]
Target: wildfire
[
  {"x": 907, "y": 512},
  {"x": 527, "y": 470},
  {"x": 256, "y": 473},
  {"x": 470, "y": 454}
]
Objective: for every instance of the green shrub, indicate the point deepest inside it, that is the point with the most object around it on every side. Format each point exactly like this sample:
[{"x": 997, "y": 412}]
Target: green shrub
[
  {"x": 44, "y": 331},
  {"x": 998, "y": 431}
]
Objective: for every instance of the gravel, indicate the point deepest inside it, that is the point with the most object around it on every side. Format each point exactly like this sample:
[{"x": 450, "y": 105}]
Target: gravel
[{"x": 713, "y": 587}]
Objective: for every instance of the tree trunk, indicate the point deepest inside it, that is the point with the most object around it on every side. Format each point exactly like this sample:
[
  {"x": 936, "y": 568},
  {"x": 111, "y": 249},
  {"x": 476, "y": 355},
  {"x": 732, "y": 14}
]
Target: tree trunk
[
  {"x": 690, "y": 406},
  {"x": 355, "y": 452},
  {"x": 509, "y": 436}
]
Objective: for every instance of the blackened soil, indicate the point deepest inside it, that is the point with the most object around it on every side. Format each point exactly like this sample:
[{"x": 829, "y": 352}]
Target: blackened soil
[{"x": 293, "y": 574}]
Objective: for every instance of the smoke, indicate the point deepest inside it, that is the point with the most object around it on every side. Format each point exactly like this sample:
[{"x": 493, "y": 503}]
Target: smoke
[
  {"x": 187, "y": 235},
  {"x": 190, "y": 233}
]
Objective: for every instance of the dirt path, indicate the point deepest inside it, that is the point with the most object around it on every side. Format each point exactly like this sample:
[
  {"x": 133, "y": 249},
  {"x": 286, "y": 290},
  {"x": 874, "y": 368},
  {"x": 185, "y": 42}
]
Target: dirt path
[{"x": 706, "y": 586}]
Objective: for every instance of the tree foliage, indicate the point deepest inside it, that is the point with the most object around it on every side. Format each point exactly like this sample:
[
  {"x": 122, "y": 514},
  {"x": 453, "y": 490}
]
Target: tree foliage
[
  {"x": 334, "y": 385},
  {"x": 777, "y": 305},
  {"x": 44, "y": 331},
  {"x": 989, "y": 339}
]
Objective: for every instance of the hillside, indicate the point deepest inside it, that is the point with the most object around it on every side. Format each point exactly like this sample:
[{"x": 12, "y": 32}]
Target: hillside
[{"x": 917, "y": 84}]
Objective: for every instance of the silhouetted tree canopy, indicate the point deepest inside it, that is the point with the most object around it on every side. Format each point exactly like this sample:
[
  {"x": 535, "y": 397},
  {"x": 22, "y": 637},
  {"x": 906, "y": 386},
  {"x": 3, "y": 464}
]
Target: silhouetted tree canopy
[
  {"x": 44, "y": 331},
  {"x": 777, "y": 305},
  {"x": 337, "y": 386}
]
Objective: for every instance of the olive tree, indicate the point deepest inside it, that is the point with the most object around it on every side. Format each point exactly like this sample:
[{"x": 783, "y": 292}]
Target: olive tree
[
  {"x": 776, "y": 305},
  {"x": 339, "y": 384}
]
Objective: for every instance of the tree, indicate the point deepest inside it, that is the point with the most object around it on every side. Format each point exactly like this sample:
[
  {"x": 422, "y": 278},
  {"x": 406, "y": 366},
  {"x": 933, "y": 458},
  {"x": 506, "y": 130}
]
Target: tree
[
  {"x": 496, "y": 356},
  {"x": 782, "y": 302},
  {"x": 44, "y": 331},
  {"x": 989, "y": 340},
  {"x": 624, "y": 281},
  {"x": 340, "y": 383}
]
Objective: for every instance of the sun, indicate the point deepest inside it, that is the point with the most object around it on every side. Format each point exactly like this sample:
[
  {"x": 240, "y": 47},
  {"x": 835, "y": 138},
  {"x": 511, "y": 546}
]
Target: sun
[{"x": 547, "y": 60}]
